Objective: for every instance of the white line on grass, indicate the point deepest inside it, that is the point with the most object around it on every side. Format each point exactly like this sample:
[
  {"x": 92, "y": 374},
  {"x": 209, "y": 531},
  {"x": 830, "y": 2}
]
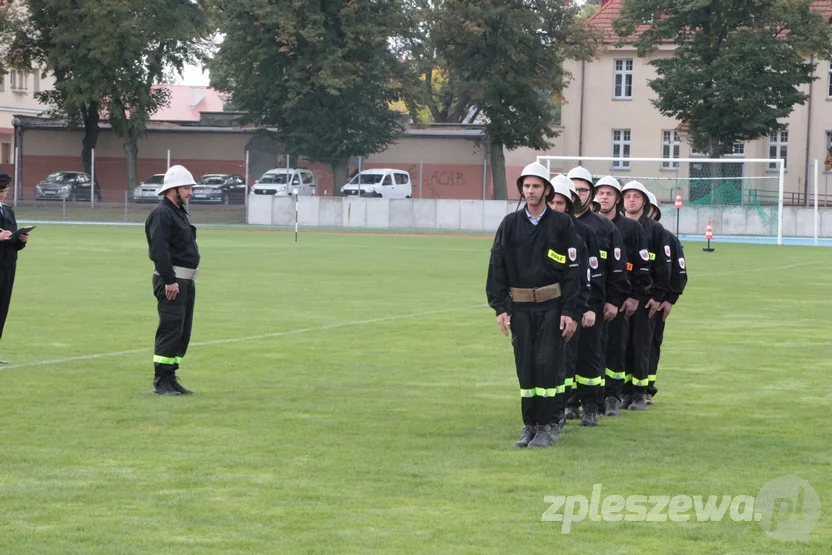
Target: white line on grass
[
  {"x": 765, "y": 269},
  {"x": 250, "y": 337}
]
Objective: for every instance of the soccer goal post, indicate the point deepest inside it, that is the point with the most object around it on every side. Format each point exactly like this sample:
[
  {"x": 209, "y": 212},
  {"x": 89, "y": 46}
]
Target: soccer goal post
[{"x": 740, "y": 196}]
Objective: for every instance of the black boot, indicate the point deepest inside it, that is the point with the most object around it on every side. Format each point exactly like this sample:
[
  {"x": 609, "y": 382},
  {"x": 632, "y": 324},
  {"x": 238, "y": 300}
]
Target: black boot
[
  {"x": 612, "y": 406},
  {"x": 638, "y": 402},
  {"x": 162, "y": 383},
  {"x": 174, "y": 383},
  {"x": 528, "y": 433},
  {"x": 590, "y": 416},
  {"x": 573, "y": 412},
  {"x": 546, "y": 435}
]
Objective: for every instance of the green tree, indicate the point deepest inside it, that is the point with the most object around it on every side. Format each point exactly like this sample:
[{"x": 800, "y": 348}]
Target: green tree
[
  {"x": 51, "y": 36},
  {"x": 105, "y": 57},
  {"x": 324, "y": 73},
  {"x": 439, "y": 96},
  {"x": 737, "y": 66},
  {"x": 154, "y": 38},
  {"x": 512, "y": 52}
]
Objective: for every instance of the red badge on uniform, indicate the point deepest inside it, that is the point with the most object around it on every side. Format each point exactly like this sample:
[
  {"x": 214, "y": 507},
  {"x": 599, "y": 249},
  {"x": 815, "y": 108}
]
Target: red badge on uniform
[
  {"x": 644, "y": 254},
  {"x": 593, "y": 262},
  {"x": 682, "y": 263},
  {"x": 573, "y": 254},
  {"x": 617, "y": 254},
  {"x": 667, "y": 250}
]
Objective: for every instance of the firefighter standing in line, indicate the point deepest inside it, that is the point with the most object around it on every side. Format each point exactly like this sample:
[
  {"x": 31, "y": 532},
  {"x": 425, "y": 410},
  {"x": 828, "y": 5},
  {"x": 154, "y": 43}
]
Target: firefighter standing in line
[
  {"x": 642, "y": 323},
  {"x": 583, "y": 363},
  {"x": 532, "y": 286},
  {"x": 637, "y": 258},
  {"x": 8, "y": 251},
  {"x": 171, "y": 241},
  {"x": 616, "y": 285},
  {"x": 678, "y": 281}
]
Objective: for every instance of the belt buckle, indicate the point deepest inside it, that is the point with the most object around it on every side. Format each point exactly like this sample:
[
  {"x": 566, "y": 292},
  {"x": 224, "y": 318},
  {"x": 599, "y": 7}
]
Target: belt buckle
[{"x": 534, "y": 294}]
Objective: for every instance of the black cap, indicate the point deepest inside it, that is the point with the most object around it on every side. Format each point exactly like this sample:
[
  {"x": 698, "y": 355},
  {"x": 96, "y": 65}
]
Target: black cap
[{"x": 5, "y": 179}]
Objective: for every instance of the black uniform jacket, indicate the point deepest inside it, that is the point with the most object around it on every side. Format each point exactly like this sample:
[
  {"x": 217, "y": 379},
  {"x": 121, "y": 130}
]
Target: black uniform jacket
[
  {"x": 171, "y": 239},
  {"x": 8, "y": 249},
  {"x": 526, "y": 256}
]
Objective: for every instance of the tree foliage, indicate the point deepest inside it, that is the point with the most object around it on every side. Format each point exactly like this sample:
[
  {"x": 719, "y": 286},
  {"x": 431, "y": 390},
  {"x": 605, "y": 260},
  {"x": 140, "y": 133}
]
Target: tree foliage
[
  {"x": 105, "y": 57},
  {"x": 512, "y": 53},
  {"x": 324, "y": 73},
  {"x": 737, "y": 67}
]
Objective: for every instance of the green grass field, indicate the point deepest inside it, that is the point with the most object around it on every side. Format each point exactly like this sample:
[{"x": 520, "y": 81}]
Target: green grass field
[{"x": 354, "y": 395}]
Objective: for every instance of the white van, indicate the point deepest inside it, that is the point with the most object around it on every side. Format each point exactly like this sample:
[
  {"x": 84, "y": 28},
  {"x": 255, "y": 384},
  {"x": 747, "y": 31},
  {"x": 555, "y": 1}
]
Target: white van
[
  {"x": 386, "y": 183},
  {"x": 282, "y": 181}
]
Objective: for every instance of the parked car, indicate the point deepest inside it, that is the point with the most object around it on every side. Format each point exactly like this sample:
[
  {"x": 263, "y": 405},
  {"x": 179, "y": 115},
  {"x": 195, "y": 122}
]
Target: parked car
[
  {"x": 66, "y": 186},
  {"x": 220, "y": 188},
  {"x": 282, "y": 181},
  {"x": 146, "y": 191},
  {"x": 386, "y": 183}
]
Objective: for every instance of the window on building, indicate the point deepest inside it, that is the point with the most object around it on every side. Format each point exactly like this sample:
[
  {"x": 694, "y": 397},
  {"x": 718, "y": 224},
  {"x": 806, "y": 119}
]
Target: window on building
[
  {"x": 621, "y": 148},
  {"x": 623, "y": 79},
  {"x": 829, "y": 86},
  {"x": 739, "y": 149},
  {"x": 6, "y": 153},
  {"x": 12, "y": 79},
  {"x": 671, "y": 145},
  {"x": 36, "y": 81},
  {"x": 778, "y": 147}
]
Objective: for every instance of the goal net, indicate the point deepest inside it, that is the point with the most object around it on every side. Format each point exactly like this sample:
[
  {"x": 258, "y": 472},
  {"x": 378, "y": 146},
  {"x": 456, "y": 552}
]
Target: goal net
[{"x": 740, "y": 197}]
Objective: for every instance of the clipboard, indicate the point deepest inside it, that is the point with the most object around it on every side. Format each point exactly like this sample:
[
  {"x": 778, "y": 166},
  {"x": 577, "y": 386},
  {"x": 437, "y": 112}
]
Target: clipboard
[{"x": 21, "y": 231}]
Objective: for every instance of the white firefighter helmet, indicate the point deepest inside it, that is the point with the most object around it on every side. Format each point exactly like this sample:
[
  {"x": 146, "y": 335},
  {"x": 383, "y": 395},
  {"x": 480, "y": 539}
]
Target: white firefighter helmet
[
  {"x": 655, "y": 204},
  {"x": 608, "y": 181},
  {"x": 536, "y": 169},
  {"x": 580, "y": 172},
  {"x": 176, "y": 176},
  {"x": 562, "y": 185}
]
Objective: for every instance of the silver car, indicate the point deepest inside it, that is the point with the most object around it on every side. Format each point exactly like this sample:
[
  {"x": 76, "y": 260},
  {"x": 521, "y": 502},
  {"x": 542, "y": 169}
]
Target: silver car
[{"x": 146, "y": 192}]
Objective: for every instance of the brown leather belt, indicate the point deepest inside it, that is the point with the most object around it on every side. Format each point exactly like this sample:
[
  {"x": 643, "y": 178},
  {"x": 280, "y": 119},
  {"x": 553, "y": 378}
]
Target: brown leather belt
[{"x": 536, "y": 295}]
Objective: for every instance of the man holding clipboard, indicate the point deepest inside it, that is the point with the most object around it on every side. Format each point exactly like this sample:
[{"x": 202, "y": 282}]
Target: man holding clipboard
[{"x": 11, "y": 241}]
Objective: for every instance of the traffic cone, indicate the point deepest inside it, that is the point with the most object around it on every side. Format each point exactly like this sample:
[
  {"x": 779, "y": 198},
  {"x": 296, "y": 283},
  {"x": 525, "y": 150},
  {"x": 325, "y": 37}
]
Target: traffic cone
[
  {"x": 678, "y": 204},
  {"x": 709, "y": 234}
]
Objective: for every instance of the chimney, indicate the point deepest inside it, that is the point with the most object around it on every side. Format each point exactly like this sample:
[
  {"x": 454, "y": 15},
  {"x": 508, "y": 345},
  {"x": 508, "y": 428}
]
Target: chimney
[{"x": 197, "y": 96}]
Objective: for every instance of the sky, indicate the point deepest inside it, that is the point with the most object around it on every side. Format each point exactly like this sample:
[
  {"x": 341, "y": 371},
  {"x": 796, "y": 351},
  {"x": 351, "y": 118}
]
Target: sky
[{"x": 194, "y": 76}]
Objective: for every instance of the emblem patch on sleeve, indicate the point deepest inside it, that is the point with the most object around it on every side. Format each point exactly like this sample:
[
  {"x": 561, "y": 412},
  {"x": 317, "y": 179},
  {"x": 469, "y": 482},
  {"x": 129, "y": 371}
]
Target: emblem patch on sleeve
[
  {"x": 644, "y": 254},
  {"x": 593, "y": 262},
  {"x": 682, "y": 263},
  {"x": 667, "y": 250},
  {"x": 617, "y": 254},
  {"x": 573, "y": 254}
]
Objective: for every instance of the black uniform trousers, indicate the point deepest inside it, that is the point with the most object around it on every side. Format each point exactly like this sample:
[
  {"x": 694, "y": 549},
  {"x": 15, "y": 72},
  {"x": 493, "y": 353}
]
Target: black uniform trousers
[
  {"x": 639, "y": 344},
  {"x": 6, "y": 284},
  {"x": 589, "y": 368},
  {"x": 539, "y": 356},
  {"x": 175, "y": 321},
  {"x": 571, "y": 355},
  {"x": 655, "y": 353},
  {"x": 617, "y": 334}
]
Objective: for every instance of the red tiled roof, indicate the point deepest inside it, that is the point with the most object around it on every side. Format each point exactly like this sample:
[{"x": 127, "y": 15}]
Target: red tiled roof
[
  {"x": 610, "y": 10},
  {"x": 187, "y": 102}
]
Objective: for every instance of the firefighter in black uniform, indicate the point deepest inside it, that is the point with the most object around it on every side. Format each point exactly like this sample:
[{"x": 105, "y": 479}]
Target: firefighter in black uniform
[
  {"x": 171, "y": 240},
  {"x": 616, "y": 284},
  {"x": 678, "y": 281},
  {"x": 8, "y": 251},
  {"x": 642, "y": 323},
  {"x": 637, "y": 259},
  {"x": 532, "y": 285},
  {"x": 583, "y": 363}
]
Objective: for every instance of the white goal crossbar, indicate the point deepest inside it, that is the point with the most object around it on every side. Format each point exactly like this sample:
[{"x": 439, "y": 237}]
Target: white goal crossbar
[{"x": 780, "y": 170}]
